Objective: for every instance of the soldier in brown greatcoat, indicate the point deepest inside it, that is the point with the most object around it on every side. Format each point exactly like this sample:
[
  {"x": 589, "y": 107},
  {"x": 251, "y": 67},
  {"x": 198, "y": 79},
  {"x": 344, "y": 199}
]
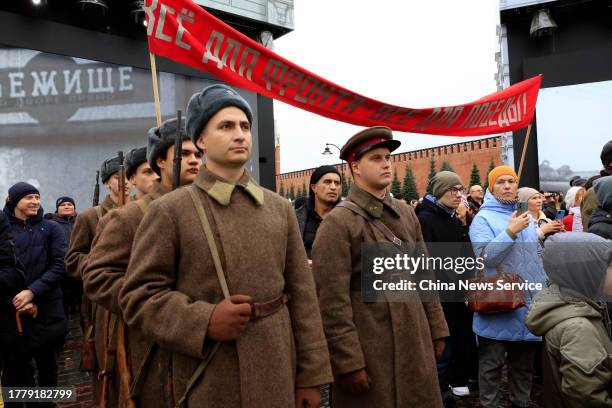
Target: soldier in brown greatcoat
[
  {"x": 104, "y": 273},
  {"x": 382, "y": 354},
  {"x": 85, "y": 225},
  {"x": 266, "y": 340},
  {"x": 80, "y": 243}
]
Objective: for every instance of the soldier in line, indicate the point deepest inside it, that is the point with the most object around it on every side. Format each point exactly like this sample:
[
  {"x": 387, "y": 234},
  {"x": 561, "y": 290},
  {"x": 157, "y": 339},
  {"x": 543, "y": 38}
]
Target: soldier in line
[
  {"x": 139, "y": 172},
  {"x": 86, "y": 222},
  {"x": 383, "y": 354},
  {"x": 110, "y": 253},
  {"x": 219, "y": 277},
  {"x": 80, "y": 244}
]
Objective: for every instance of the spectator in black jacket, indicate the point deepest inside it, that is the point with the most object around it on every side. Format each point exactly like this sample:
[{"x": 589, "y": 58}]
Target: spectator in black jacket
[
  {"x": 324, "y": 191},
  {"x": 601, "y": 220},
  {"x": 40, "y": 247},
  {"x": 445, "y": 232},
  {"x": 11, "y": 282},
  {"x": 65, "y": 216}
]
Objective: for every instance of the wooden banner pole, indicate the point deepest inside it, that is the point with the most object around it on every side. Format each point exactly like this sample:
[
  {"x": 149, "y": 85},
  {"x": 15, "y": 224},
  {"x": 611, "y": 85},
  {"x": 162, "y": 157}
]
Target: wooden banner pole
[
  {"x": 520, "y": 171},
  {"x": 155, "y": 89}
]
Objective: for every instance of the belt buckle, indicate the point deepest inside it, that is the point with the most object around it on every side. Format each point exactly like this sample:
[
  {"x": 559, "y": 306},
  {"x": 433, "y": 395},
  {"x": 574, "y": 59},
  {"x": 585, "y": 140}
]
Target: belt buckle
[{"x": 253, "y": 311}]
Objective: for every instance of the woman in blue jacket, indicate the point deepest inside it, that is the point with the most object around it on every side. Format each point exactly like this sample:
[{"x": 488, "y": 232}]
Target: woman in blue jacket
[
  {"x": 40, "y": 248},
  {"x": 509, "y": 243}
]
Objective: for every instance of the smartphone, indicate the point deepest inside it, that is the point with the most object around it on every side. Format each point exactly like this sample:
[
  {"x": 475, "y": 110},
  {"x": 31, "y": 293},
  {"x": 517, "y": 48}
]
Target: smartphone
[
  {"x": 560, "y": 215},
  {"x": 521, "y": 208}
]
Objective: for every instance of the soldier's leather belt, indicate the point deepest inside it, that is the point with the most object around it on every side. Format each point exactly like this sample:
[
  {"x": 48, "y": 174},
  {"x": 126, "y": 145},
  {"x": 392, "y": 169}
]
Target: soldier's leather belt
[{"x": 261, "y": 310}]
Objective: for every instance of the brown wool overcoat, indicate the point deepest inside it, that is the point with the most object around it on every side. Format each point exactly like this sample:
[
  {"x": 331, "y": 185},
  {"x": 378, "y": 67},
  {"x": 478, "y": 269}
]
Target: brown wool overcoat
[
  {"x": 83, "y": 235},
  {"x": 392, "y": 341},
  {"x": 172, "y": 288},
  {"x": 103, "y": 277}
]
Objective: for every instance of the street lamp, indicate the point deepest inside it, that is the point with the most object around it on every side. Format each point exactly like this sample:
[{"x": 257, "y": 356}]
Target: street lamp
[{"x": 328, "y": 152}]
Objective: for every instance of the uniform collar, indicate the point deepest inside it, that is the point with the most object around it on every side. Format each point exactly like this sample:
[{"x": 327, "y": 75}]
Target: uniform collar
[
  {"x": 372, "y": 205},
  {"x": 108, "y": 203},
  {"x": 221, "y": 190},
  {"x": 157, "y": 190}
]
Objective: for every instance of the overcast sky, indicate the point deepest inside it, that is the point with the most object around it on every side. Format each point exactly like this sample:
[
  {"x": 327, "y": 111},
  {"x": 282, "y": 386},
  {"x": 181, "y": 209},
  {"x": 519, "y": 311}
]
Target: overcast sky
[{"x": 410, "y": 53}]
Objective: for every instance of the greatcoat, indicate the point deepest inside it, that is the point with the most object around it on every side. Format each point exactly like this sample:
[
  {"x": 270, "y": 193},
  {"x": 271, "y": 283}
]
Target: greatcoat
[
  {"x": 103, "y": 277},
  {"x": 83, "y": 235},
  {"x": 172, "y": 287},
  {"x": 391, "y": 340}
]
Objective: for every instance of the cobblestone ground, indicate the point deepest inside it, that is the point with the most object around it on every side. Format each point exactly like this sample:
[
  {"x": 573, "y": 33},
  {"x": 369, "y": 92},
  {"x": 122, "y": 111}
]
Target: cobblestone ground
[{"x": 70, "y": 375}]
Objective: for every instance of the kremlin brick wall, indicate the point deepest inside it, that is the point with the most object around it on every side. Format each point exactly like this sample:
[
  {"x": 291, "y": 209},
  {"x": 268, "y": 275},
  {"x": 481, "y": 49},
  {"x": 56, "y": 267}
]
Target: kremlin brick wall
[{"x": 460, "y": 156}]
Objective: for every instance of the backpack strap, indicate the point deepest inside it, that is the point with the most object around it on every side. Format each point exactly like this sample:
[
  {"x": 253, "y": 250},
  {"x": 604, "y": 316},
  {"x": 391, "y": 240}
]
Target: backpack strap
[{"x": 386, "y": 231}]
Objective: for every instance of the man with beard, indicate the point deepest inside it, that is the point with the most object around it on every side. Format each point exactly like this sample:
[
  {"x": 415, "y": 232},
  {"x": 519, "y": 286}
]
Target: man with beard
[
  {"x": 383, "y": 354},
  {"x": 139, "y": 171},
  {"x": 104, "y": 274},
  {"x": 324, "y": 193},
  {"x": 218, "y": 276}
]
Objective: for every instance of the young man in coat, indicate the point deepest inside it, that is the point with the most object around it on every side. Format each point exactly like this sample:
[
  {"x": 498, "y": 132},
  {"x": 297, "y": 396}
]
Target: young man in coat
[
  {"x": 139, "y": 172},
  {"x": 82, "y": 236},
  {"x": 40, "y": 249},
  {"x": 104, "y": 274},
  {"x": 84, "y": 229},
  {"x": 445, "y": 232},
  {"x": 266, "y": 340},
  {"x": 383, "y": 354}
]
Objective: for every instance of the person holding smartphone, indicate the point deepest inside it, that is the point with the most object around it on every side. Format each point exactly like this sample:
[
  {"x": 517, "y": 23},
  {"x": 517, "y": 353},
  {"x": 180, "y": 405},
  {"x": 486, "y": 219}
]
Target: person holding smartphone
[
  {"x": 508, "y": 242},
  {"x": 530, "y": 201}
]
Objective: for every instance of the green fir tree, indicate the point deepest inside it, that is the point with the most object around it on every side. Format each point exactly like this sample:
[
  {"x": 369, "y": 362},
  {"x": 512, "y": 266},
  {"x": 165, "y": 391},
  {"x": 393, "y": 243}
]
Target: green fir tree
[
  {"x": 491, "y": 167},
  {"x": 304, "y": 192},
  {"x": 396, "y": 187},
  {"x": 409, "y": 190},
  {"x": 292, "y": 193},
  {"x": 346, "y": 182},
  {"x": 432, "y": 173},
  {"x": 281, "y": 192},
  {"x": 446, "y": 166},
  {"x": 475, "y": 176}
]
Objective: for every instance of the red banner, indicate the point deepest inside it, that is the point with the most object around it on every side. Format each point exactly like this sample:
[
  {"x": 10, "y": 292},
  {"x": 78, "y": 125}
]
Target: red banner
[{"x": 184, "y": 32}]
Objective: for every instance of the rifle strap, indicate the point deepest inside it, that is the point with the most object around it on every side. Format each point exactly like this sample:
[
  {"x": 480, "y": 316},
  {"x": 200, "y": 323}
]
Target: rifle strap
[
  {"x": 386, "y": 231},
  {"x": 139, "y": 376},
  {"x": 111, "y": 348},
  {"x": 220, "y": 275},
  {"x": 98, "y": 211},
  {"x": 210, "y": 238},
  {"x": 138, "y": 380}
]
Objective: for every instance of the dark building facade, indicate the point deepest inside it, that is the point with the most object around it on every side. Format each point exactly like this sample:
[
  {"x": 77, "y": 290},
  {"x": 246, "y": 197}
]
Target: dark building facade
[
  {"x": 577, "y": 51},
  {"x": 75, "y": 88}
]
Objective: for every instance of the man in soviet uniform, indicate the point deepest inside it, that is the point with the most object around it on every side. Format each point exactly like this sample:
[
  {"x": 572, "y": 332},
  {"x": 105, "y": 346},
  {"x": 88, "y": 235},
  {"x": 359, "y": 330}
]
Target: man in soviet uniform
[
  {"x": 139, "y": 171},
  {"x": 262, "y": 334},
  {"x": 104, "y": 273},
  {"x": 383, "y": 354},
  {"x": 80, "y": 243}
]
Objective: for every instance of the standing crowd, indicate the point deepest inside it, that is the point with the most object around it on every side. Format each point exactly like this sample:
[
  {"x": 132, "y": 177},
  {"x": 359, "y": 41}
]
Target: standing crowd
[{"x": 213, "y": 291}]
